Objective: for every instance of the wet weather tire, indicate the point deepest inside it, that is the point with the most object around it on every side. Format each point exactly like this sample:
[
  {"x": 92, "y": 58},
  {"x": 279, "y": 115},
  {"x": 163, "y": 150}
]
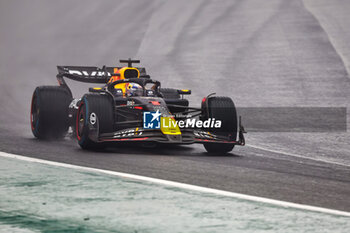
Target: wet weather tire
[
  {"x": 172, "y": 97},
  {"x": 222, "y": 108},
  {"x": 169, "y": 93},
  {"x": 49, "y": 112},
  {"x": 102, "y": 106}
]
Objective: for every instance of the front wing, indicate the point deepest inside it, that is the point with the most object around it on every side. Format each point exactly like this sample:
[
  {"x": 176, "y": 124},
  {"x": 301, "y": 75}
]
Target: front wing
[{"x": 187, "y": 136}]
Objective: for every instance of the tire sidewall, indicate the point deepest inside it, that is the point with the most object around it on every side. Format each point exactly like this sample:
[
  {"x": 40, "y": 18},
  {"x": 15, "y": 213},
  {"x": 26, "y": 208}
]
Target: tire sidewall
[
  {"x": 35, "y": 125},
  {"x": 83, "y": 137},
  {"x": 98, "y": 104}
]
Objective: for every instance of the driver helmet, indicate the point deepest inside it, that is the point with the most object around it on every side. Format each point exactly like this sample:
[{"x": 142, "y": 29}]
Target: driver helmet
[{"x": 134, "y": 89}]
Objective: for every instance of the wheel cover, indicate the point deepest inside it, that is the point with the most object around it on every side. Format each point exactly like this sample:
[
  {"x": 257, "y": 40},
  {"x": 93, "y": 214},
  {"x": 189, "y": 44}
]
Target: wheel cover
[{"x": 80, "y": 124}]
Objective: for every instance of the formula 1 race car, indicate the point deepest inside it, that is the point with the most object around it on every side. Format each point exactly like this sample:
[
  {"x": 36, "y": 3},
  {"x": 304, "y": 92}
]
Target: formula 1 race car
[{"x": 131, "y": 107}]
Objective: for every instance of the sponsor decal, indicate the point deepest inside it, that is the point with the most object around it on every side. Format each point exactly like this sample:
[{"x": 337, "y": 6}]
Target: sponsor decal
[
  {"x": 149, "y": 92},
  {"x": 130, "y": 102},
  {"x": 203, "y": 134},
  {"x": 93, "y": 118},
  {"x": 127, "y": 133},
  {"x": 86, "y": 73}
]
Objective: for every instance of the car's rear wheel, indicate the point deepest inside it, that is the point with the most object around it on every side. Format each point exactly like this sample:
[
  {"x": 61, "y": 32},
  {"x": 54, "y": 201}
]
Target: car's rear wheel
[
  {"x": 100, "y": 107},
  {"x": 49, "y": 112},
  {"x": 169, "y": 93},
  {"x": 221, "y": 108},
  {"x": 172, "y": 97}
]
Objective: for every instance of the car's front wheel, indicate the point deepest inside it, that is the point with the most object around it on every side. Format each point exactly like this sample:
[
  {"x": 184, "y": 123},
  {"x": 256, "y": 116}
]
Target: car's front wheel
[
  {"x": 94, "y": 109},
  {"x": 223, "y": 109}
]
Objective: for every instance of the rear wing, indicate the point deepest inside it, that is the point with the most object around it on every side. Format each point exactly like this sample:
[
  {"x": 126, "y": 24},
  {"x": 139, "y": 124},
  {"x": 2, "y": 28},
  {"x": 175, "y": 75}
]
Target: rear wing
[{"x": 90, "y": 74}]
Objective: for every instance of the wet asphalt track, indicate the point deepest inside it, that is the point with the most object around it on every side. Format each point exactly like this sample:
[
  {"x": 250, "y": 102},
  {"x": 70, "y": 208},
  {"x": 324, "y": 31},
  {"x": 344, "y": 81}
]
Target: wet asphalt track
[{"x": 262, "y": 54}]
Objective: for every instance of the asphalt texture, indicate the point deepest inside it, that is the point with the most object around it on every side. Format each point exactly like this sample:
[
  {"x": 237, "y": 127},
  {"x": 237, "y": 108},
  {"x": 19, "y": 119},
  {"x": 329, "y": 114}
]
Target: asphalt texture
[{"x": 278, "y": 53}]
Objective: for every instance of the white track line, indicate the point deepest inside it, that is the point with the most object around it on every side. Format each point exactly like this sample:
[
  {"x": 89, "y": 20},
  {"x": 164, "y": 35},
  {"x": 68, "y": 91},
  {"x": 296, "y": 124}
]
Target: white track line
[
  {"x": 296, "y": 155},
  {"x": 183, "y": 186}
]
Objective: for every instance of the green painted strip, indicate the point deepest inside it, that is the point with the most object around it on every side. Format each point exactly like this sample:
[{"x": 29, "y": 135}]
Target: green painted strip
[{"x": 37, "y": 197}]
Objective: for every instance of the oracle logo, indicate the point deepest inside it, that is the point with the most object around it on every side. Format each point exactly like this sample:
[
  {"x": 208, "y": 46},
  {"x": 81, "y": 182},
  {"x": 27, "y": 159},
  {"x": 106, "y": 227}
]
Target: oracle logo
[{"x": 86, "y": 73}]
